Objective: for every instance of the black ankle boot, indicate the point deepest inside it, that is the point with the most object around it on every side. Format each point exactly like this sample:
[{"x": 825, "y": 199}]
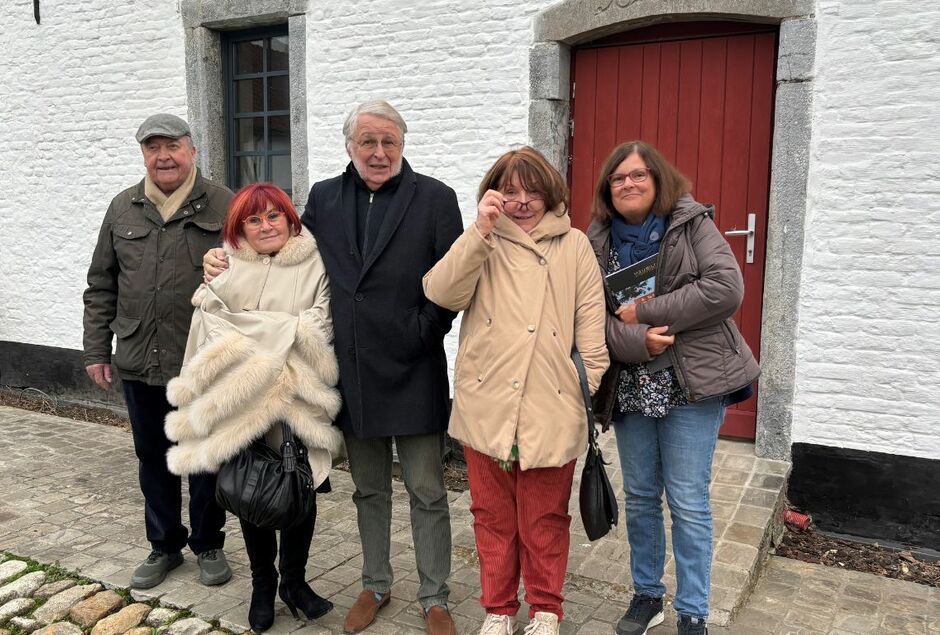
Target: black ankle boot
[
  {"x": 261, "y": 611},
  {"x": 299, "y": 595}
]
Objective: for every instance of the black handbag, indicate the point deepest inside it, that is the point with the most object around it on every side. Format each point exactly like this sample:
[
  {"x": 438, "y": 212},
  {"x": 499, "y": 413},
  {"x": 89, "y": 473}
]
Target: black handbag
[
  {"x": 599, "y": 509},
  {"x": 266, "y": 488}
]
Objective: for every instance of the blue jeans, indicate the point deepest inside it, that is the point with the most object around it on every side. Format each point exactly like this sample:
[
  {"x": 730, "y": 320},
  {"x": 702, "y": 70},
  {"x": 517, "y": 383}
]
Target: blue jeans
[{"x": 673, "y": 452}]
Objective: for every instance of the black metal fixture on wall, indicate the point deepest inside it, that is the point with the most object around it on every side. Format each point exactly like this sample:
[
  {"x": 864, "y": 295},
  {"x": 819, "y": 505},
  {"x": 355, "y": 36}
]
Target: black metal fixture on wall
[{"x": 36, "y": 10}]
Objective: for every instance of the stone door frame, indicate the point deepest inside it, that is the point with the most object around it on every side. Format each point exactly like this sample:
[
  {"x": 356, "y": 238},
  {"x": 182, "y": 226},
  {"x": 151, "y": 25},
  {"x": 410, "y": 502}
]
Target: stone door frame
[{"x": 571, "y": 22}]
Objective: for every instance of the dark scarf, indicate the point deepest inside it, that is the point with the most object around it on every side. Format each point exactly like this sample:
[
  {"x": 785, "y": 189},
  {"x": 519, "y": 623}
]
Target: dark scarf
[
  {"x": 369, "y": 217},
  {"x": 633, "y": 243}
]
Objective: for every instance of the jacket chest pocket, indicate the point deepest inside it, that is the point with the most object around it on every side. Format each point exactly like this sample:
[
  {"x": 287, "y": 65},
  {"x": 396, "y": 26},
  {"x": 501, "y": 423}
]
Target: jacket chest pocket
[
  {"x": 201, "y": 236},
  {"x": 130, "y": 245}
]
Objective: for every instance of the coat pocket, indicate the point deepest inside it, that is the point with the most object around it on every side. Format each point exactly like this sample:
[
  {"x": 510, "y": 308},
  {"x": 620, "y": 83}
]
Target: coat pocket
[
  {"x": 130, "y": 245},
  {"x": 201, "y": 236},
  {"x": 131, "y": 352}
]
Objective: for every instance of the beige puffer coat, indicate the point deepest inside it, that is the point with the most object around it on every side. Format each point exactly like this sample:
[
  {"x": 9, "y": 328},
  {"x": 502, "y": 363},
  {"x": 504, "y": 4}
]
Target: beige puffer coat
[{"x": 528, "y": 299}]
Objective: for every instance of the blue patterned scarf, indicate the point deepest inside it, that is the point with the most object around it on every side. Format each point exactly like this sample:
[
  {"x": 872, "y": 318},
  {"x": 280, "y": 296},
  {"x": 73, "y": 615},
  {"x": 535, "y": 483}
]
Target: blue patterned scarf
[{"x": 633, "y": 243}]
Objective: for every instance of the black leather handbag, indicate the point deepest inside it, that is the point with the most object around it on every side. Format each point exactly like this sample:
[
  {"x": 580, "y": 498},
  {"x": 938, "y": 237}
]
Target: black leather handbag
[
  {"x": 599, "y": 509},
  {"x": 266, "y": 488}
]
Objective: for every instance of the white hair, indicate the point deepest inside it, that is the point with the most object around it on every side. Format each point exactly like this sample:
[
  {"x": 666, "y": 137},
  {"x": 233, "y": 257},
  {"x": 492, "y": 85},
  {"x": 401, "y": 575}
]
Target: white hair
[{"x": 377, "y": 108}]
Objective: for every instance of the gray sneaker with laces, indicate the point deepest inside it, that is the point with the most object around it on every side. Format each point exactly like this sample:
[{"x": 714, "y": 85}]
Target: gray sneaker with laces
[
  {"x": 154, "y": 569},
  {"x": 644, "y": 613},
  {"x": 691, "y": 626},
  {"x": 213, "y": 569}
]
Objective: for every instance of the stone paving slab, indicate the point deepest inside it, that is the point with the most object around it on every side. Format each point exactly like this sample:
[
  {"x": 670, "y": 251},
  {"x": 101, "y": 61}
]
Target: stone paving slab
[{"x": 70, "y": 495}]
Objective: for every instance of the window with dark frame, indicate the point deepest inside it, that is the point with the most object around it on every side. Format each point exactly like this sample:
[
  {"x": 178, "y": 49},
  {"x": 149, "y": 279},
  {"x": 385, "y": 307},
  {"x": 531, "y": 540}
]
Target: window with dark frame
[{"x": 257, "y": 107}]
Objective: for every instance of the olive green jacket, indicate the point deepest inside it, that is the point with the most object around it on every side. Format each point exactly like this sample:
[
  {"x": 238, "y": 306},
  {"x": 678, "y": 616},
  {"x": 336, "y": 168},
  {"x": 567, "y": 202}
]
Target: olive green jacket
[{"x": 143, "y": 273}]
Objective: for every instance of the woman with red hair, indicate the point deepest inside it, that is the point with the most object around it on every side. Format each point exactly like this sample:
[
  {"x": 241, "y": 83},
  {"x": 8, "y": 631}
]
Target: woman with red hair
[{"x": 260, "y": 354}]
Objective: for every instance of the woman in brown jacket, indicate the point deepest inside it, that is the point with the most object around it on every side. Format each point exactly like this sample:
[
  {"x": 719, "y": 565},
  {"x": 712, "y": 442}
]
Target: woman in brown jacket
[
  {"x": 531, "y": 291},
  {"x": 682, "y": 362}
]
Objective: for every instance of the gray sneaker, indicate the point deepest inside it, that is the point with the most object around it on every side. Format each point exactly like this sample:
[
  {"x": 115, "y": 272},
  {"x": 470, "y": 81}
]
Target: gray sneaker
[
  {"x": 213, "y": 569},
  {"x": 644, "y": 613},
  {"x": 153, "y": 570}
]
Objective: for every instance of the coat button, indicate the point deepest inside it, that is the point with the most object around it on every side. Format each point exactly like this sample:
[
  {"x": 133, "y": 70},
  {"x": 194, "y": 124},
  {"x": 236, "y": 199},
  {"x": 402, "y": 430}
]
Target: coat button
[
  {"x": 265, "y": 260},
  {"x": 530, "y": 328},
  {"x": 358, "y": 297},
  {"x": 515, "y": 385},
  {"x": 163, "y": 229},
  {"x": 489, "y": 321},
  {"x": 129, "y": 232},
  {"x": 541, "y": 261},
  {"x": 186, "y": 212},
  {"x": 198, "y": 206},
  {"x": 480, "y": 377}
]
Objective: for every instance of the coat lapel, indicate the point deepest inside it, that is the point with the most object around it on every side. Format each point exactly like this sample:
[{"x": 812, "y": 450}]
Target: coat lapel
[{"x": 396, "y": 211}]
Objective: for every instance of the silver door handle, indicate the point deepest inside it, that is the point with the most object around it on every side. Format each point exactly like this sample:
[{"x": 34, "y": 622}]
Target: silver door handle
[{"x": 750, "y": 233}]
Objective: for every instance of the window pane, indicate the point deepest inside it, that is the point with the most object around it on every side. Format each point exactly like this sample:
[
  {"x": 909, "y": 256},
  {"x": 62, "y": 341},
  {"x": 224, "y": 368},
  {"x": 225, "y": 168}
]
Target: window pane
[
  {"x": 280, "y": 171},
  {"x": 248, "y": 170},
  {"x": 278, "y": 93},
  {"x": 248, "y": 57},
  {"x": 248, "y": 95},
  {"x": 278, "y": 54},
  {"x": 279, "y": 133},
  {"x": 249, "y": 134}
]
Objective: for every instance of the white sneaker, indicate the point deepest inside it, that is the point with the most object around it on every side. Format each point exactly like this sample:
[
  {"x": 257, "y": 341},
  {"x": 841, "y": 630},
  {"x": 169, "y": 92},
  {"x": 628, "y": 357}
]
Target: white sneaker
[
  {"x": 498, "y": 625},
  {"x": 542, "y": 624}
]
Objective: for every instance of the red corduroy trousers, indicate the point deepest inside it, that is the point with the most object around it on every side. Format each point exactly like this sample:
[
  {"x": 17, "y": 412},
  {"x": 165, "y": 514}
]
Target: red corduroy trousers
[{"x": 521, "y": 525}]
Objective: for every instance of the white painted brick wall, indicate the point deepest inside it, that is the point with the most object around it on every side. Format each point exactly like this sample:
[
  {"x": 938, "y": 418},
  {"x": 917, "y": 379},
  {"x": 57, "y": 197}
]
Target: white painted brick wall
[
  {"x": 868, "y": 355},
  {"x": 75, "y": 89}
]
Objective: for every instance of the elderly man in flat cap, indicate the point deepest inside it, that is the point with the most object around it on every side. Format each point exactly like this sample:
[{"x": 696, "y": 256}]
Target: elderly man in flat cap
[{"x": 144, "y": 270}]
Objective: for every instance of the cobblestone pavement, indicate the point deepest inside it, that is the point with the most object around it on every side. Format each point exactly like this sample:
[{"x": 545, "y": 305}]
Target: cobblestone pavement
[{"x": 69, "y": 494}]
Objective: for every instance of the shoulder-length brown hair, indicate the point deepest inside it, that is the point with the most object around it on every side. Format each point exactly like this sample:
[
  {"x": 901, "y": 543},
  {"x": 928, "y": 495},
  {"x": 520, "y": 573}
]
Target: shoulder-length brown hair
[
  {"x": 535, "y": 174},
  {"x": 670, "y": 182}
]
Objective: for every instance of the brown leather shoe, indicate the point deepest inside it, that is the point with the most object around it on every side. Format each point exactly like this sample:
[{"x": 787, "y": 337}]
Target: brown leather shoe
[
  {"x": 439, "y": 622},
  {"x": 363, "y": 612}
]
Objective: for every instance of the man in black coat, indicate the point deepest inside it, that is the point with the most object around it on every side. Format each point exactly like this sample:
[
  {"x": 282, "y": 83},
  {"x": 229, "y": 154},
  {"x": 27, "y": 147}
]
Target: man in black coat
[{"x": 380, "y": 227}]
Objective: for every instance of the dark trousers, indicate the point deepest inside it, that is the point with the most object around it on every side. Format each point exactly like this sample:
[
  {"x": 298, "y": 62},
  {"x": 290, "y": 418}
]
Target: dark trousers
[
  {"x": 261, "y": 545},
  {"x": 163, "y": 500}
]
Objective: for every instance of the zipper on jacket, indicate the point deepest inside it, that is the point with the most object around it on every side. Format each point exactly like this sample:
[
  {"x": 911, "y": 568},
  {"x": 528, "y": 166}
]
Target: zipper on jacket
[{"x": 365, "y": 226}]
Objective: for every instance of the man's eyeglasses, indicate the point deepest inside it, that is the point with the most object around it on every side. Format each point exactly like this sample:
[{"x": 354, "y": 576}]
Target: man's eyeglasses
[
  {"x": 256, "y": 222},
  {"x": 637, "y": 176},
  {"x": 516, "y": 205},
  {"x": 389, "y": 145}
]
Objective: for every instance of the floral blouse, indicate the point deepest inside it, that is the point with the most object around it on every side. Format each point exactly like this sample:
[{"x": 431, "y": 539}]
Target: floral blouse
[{"x": 651, "y": 394}]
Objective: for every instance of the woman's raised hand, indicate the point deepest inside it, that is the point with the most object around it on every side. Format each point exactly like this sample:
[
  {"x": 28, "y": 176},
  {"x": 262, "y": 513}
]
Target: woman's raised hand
[
  {"x": 656, "y": 342},
  {"x": 213, "y": 263},
  {"x": 488, "y": 210}
]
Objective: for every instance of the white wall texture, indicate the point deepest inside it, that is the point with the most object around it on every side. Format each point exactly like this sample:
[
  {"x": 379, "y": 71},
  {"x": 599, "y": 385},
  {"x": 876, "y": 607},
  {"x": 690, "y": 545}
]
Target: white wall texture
[
  {"x": 868, "y": 351},
  {"x": 77, "y": 86},
  {"x": 75, "y": 89}
]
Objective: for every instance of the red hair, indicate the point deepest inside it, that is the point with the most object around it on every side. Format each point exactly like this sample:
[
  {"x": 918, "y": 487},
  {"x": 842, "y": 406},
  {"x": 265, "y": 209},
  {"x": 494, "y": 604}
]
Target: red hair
[{"x": 253, "y": 200}]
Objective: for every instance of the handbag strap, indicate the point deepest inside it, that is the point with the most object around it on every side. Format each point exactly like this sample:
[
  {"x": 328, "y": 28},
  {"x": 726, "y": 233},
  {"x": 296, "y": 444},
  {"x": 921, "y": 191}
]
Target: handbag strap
[
  {"x": 586, "y": 394},
  {"x": 288, "y": 448}
]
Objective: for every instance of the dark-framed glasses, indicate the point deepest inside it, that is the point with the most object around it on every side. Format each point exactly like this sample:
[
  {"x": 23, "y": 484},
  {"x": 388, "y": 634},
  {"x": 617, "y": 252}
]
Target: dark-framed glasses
[
  {"x": 388, "y": 144},
  {"x": 254, "y": 221},
  {"x": 636, "y": 176},
  {"x": 515, "y": 204}
]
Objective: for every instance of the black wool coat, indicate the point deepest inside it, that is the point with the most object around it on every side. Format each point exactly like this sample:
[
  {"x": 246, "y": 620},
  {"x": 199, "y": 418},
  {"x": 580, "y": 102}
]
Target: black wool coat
[{"x": 389, "y": 337}]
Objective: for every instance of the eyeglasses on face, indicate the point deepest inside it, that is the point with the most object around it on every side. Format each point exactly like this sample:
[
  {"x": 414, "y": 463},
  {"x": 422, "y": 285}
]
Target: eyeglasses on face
[
  {"x": 388, "y": 144},
  {"x": 637, "y": 176},
  {"x": 255, "y": 221},
  {"x": 513, "y": 205}
]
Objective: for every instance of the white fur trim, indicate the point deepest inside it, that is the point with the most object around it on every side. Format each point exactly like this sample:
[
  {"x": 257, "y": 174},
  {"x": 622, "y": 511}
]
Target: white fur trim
[{"x": 297, "y": 249}]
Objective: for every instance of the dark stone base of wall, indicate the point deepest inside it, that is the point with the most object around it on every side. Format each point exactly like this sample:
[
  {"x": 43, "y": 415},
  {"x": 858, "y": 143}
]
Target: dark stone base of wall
[
  {"x": 881, "y": 496},
  {"x": 58, "y": 372}
]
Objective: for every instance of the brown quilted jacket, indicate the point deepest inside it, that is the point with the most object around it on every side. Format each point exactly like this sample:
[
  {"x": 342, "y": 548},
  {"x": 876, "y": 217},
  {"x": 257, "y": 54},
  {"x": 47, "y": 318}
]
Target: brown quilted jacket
[{"x": 698, "y": 288}]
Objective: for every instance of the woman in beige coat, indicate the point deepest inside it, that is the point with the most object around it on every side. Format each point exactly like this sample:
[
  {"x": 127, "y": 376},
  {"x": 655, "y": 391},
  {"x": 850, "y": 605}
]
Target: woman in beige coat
[
  {"x": 259, "y": 353},
  {"x": 531, "y": 291}
]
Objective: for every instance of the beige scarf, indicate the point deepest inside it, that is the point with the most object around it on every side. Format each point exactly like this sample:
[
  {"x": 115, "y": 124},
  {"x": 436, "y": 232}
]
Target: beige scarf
[{"x": 168, "y": 205}]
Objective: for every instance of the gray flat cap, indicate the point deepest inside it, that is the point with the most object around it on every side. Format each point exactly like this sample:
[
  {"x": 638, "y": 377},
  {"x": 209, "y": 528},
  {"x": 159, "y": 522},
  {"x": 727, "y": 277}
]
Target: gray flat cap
[{"x": 162, "y": 125}]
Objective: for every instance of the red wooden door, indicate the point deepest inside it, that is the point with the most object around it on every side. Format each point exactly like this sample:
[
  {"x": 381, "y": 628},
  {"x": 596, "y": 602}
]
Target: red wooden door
[{"x": 703, "y": 95}]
